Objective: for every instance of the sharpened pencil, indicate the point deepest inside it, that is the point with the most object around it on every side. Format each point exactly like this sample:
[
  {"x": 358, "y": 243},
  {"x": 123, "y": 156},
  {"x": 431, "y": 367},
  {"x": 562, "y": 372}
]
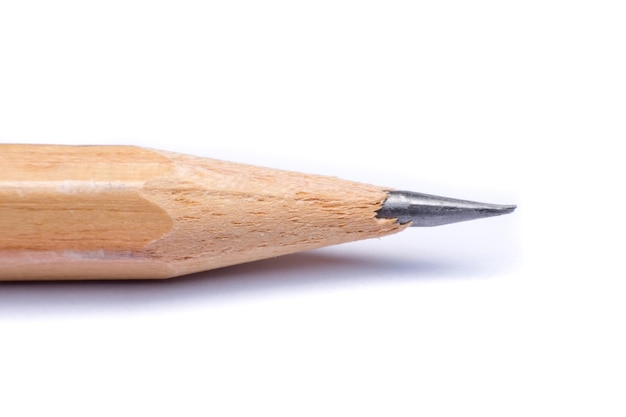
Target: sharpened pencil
[{"x": 123, "y": 212}]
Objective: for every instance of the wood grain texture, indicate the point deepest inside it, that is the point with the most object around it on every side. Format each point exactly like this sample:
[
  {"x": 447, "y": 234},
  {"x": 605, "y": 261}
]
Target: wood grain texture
[{"x": 121, "y": 212}]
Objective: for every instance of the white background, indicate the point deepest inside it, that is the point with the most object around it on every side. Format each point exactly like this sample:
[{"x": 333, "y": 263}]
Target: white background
[{"x": 506, "y": 102}]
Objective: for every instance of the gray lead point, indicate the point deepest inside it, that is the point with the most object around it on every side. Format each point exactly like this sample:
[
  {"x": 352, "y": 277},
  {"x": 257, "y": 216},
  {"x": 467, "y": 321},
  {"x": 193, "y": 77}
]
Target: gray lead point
[{"x": 423, "y": 210}]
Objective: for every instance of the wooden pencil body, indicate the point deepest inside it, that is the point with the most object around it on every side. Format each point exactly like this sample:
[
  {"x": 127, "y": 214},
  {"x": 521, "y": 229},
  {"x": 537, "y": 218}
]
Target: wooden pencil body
[{"x": 121, "y": 212}]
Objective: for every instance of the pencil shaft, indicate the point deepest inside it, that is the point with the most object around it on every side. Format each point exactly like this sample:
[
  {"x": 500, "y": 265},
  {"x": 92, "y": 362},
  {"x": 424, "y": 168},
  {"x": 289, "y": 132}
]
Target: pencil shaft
[{"x": 115, "y": 212}]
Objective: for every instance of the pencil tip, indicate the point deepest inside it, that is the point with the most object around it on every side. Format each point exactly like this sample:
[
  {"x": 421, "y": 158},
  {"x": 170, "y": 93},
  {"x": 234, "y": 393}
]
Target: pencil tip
[{"x": 423, "y": 210}]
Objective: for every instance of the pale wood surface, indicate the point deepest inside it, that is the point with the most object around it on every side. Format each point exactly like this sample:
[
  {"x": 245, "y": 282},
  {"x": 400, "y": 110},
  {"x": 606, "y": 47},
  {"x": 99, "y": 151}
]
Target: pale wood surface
[{"x": 122, "y": 212}]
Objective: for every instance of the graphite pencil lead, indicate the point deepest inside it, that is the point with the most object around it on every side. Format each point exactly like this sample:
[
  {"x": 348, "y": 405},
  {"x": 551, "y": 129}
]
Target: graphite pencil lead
[{"x": 424, "y": 210}]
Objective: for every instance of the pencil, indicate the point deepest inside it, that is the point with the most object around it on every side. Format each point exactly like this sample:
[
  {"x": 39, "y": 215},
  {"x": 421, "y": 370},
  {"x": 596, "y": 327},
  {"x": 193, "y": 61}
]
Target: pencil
[{"x": 124, "y": 212}]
